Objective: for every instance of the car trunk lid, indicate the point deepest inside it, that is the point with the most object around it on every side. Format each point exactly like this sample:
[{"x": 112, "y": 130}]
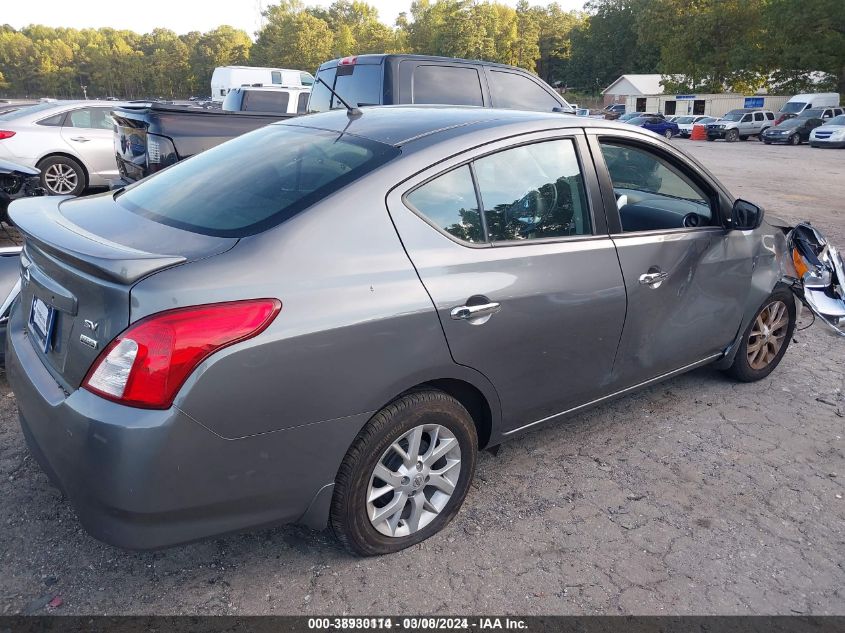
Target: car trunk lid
[{"x": 80, "y": 259}]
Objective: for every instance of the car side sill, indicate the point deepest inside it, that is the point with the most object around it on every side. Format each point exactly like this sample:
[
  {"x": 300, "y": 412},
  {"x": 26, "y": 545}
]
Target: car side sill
[{"x": 685, "y": 368}]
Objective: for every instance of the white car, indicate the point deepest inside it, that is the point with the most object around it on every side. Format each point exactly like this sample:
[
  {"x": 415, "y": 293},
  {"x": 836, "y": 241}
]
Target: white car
[
  {"x": 71, "y": 142},
  {"x": 831, "y": 134},
  {"x": 685, "y": 123}
]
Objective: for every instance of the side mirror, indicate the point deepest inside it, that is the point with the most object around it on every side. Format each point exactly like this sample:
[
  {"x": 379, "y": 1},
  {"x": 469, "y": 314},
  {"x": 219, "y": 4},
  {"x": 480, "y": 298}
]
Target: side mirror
[
  {"x": 745, "y": 216},
  {"x": 561, "y": 110}
]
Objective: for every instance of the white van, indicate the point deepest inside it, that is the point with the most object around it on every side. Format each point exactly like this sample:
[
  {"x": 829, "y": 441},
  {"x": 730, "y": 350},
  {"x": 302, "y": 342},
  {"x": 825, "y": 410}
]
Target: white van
[
  {"x": 225, "y": 78},
  {"x": 799, "y": 103}
]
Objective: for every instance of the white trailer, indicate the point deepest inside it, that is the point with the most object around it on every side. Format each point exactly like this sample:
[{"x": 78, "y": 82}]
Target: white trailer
[
  {"x": 224, "y": 78},
  {"x": 707, "y": 104}
]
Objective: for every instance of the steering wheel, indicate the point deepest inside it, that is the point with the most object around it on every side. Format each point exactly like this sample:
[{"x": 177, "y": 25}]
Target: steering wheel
[
  {"x": 691, "y": 220},
  {"x": 530, "y": 208}
]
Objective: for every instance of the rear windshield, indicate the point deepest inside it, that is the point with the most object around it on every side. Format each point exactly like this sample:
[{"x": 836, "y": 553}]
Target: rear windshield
[
  {"x": 357, "y": 84},
  {"x": 254, "y": 181},
  {"x": 26, "y": 110}
]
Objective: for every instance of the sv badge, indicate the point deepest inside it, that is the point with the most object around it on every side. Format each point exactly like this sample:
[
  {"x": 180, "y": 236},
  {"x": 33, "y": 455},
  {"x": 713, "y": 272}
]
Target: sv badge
[{"x": 91, "y": 325}]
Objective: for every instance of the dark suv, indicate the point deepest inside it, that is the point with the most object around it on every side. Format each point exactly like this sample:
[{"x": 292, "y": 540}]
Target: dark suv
[{"x": 420, "y": 79}]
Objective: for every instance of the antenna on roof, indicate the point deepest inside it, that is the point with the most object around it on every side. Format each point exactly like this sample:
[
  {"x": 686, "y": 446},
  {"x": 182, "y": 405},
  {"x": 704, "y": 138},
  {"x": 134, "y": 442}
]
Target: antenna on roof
[{"x": 350, "y": 111}]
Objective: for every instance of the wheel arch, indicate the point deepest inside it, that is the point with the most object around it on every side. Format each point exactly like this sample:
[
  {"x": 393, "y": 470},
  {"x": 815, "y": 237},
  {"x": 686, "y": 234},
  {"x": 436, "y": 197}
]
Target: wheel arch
[{"x": 73, "y": 157}]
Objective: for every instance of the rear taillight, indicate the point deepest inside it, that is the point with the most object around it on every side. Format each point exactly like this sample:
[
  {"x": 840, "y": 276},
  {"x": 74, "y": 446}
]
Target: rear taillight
[
  {"x": 148, "y": 363},
  {"x": 6, "y": 134},
  {"x": 160, "y": 152}
]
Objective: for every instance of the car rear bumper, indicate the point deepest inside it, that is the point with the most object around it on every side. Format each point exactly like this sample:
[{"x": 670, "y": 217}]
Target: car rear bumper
[{"x": 144, "y": 479}]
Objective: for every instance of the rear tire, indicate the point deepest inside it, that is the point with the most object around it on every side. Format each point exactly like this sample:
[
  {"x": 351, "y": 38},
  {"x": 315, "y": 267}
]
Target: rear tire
[
  {"x": 386, "y": 500},
  {"x": 62, "y": 176},
  {"x": 668, "y": 134},
  {"x": 766, "y": 339}
]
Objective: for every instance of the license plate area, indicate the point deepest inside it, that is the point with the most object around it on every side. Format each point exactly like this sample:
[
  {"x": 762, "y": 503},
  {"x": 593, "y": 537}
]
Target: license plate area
[{"x": 42, "y": 317}]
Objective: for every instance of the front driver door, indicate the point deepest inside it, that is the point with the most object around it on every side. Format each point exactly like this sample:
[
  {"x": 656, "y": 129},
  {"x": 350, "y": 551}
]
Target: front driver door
[
  {"x": 686, "y": 276},
  {"x": 510, "y": 242}
]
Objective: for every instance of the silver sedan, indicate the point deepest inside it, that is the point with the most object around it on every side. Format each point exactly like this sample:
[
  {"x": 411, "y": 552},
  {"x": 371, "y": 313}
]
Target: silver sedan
[{"x": 71, "y": 142}]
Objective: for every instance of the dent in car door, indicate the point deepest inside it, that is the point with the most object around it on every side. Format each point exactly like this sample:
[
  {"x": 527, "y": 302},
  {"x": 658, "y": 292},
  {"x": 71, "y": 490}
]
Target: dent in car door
[
  {"x": 550, "y": 309},
  {"x": 686, "y": 287}
]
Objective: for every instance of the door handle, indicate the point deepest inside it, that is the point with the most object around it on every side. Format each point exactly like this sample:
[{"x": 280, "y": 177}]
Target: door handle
[
  {"x": 654, "y": 279},
  {"x": 80, "y": 139},
  {"x": 466, "y": 313}
]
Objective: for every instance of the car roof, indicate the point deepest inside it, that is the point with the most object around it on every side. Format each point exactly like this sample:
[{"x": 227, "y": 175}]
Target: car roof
[
  {"x": 378, "y": 58},
  {"x": 401, "y": 125}
]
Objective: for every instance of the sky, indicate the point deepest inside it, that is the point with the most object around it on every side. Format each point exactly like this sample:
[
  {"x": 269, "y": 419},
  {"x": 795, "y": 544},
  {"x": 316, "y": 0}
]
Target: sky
[{"x": 177, "y": 15}]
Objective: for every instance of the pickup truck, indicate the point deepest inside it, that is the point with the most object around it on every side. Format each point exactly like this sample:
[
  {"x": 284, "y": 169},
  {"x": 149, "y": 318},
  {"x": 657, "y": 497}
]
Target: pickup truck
[
  {"x": 151, "y": 136},
  {"x": 400, "y": 79}
]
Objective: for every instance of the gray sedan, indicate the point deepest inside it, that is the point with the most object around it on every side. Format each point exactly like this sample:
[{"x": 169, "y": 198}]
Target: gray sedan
[{"x": 323, "y": 321}]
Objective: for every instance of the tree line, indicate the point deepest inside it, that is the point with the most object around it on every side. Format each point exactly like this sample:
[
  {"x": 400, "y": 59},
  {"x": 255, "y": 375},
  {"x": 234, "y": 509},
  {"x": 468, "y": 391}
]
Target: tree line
[{"x": 698, "y": 45}]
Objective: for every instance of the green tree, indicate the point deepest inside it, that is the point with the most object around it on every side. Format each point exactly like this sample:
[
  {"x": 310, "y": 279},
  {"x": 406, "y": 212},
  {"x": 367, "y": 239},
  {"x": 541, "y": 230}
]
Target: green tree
[
  {"x": 223, "y": 46},
  {"x": 292, "y": 38},
  {"x": 717, "y": 47},
  {"x": 607, "y": 45},
  {"x": 803, "y": 37}
]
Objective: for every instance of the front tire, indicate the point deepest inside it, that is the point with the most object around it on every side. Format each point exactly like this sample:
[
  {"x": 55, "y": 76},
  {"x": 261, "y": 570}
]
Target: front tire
[
  {"x": 795, "y": 140},
  {"x": 732, "y": 136},
  {"x": 62, "y": 176},
  {"x": 766, "y": 339},
  {"x": 405, "y": 475}
]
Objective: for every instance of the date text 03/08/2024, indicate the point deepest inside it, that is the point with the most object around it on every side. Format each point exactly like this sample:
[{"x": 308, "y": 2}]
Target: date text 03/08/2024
[{"x": 418, "y": 623}]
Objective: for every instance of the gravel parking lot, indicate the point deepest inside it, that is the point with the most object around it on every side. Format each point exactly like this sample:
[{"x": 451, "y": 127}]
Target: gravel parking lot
[{"x": 696, "y": 496}]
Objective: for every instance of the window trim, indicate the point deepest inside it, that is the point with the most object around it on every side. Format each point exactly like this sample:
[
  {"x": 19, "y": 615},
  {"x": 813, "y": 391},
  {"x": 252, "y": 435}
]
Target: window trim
[
  {"x": 718, "y": 196},
  {"x": 599, "y": 228}
]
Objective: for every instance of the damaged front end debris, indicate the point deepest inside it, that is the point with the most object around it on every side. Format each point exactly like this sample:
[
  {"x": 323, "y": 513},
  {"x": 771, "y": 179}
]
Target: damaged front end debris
[{"x": 819, "y": 279}]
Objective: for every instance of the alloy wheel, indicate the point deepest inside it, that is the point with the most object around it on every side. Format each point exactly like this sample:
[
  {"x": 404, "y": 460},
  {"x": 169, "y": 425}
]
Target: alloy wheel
[
  {"x": 413, "y": 480},
  {"x": 795, "y": 139},
  {"x": 767, "y": 334},
  {"x": 60, "y": 179}
]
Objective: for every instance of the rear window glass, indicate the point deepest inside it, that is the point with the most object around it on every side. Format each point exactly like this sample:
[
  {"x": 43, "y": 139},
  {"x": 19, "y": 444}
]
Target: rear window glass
[
  {"x": 254, "y": 181},
  {"x": 266, "y": 101},
  {"x": 513, "y": 91},
  {"x": 449, "y": 202},
  {"x": 26, "y": 110},
  {"x": 302, "y": 104},
  {"x": 447, "y": 85},
  {"x": 357, "y": 84}
]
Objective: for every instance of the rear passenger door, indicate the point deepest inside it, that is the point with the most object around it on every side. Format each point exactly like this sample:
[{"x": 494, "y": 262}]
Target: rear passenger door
[{"x": 511, "y": 243}]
